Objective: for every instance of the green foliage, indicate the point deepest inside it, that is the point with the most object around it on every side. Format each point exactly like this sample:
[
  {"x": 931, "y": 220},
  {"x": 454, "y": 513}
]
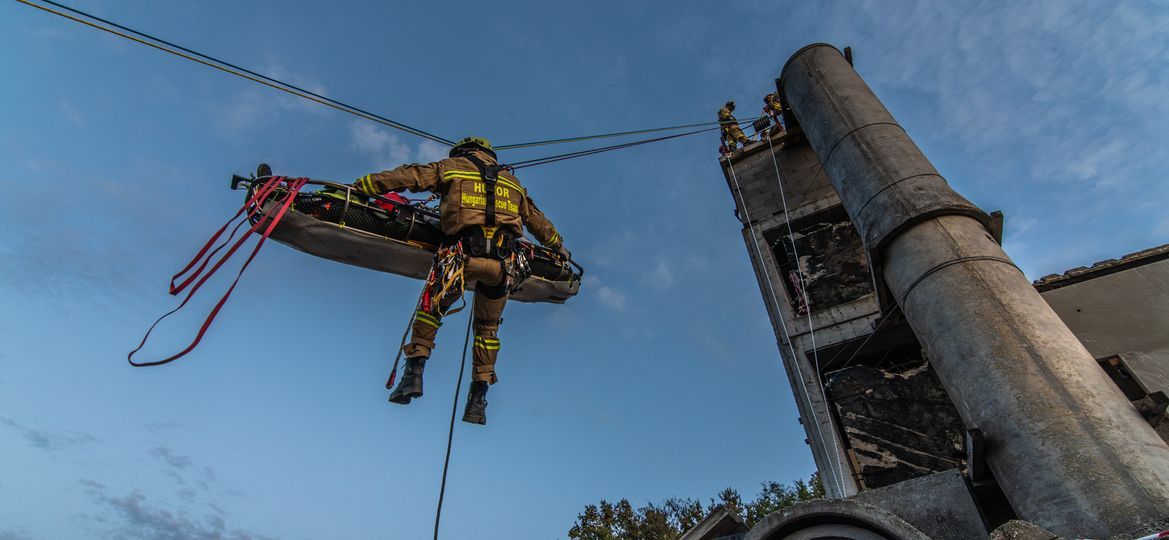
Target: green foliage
[{"x": 671, "y": 518}]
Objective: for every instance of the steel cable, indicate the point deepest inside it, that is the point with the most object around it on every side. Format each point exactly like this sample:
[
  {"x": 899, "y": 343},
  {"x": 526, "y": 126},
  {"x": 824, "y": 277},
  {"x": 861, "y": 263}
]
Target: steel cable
[
  {"x": 582, "y": 153},
  {"x": 228, "y": 67},
  {"x": 607, "y": 135}
]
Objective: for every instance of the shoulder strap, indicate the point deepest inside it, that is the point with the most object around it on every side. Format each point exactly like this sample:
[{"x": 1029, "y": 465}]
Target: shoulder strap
[{"x": 490, "y": 175}]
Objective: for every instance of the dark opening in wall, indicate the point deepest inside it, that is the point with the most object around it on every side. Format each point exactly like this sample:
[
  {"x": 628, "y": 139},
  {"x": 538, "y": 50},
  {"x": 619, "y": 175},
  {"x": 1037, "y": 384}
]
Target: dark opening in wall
[
  {"x": 895, "y": 417},
  {"x": 831, "y": 257}
]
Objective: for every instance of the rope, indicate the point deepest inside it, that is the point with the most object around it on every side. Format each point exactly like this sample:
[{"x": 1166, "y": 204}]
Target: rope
[
  {"x": 451, "y": 432},
  {"x": 608, "y": 135},
  {"x": 883, "y": 316},
  {"x": 230, "y": 68},
  {"x": 272, "y": 219},
  {"x": 778, "y": 315},
  {"x": 402, "y": 345},
  {"x": 800, "y": 275},
  {"x": 582, "y": 153}
]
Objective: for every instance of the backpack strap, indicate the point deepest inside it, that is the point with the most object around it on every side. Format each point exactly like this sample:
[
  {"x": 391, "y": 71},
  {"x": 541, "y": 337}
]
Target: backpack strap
[{"x": 490, "y": 175}]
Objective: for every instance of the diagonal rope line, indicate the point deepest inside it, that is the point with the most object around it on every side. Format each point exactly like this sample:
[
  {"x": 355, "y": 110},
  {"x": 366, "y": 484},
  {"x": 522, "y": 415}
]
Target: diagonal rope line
[
  {"x": 582, "y": 153},
  {"x": 227, "y": 67},
  {"x": 608, "y": 135},
  {"x": 800, "y": 274},
  {"x": 782, "y": 324},
  {"x": 451, "y": 432}
]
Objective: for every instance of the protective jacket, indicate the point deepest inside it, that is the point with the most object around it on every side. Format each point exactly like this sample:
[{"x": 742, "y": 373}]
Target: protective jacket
[
  {"x": 463, "y": 205},
  {"x": 463, "y": 196},
  {"x": 731, "y": 132},
  {"x": 725, "y": 117}
]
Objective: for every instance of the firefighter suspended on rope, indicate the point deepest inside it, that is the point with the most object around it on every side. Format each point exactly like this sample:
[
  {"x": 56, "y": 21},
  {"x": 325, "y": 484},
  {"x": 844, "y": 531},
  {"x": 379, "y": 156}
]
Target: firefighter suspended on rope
[{"x": 483, "y": 211}]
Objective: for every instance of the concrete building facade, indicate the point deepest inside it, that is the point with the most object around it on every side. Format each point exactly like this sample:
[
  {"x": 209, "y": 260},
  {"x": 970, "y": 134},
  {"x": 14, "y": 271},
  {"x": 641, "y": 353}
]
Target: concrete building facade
[{"x": 876, "y": 413}]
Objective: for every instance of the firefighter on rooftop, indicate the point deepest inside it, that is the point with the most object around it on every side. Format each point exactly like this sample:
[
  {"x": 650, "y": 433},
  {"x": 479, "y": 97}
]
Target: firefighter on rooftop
[
  {"x": 773, "y": 108},
  {"x": 731, "y": 133},
  {"x": 481, "y": 225}
]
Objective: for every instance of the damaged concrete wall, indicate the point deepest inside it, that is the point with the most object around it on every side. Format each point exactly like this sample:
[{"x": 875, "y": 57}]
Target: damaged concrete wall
[
  {"x": 831, "y": 257},
  {"x": 898, "y": 424}
]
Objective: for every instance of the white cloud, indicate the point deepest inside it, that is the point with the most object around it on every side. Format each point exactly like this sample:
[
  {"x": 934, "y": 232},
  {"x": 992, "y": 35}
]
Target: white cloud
[
  {"x": 384, "y": 147},
  {"x": 70, "y": 112},
  {"x": 611, "y": 297},
  {"x": 661, "y": 276},
  {"x": 431, "y": 151},
  {"x": 388, "y": 150}
]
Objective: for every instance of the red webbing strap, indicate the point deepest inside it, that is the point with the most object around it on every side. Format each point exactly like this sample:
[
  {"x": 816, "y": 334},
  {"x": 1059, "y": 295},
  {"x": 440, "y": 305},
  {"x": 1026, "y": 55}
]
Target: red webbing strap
[
  {"x": 293, "y": 186},
  {"x": 254, "y": 204}
]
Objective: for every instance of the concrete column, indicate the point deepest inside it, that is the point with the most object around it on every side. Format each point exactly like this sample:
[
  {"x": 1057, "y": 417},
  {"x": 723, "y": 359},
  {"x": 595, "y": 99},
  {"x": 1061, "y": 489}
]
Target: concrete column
[{"x": 1068, "y": 449}]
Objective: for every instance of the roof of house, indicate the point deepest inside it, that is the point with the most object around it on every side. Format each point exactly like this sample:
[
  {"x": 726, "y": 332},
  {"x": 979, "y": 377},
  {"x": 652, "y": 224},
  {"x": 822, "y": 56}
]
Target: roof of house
[{"x": 1102, "y": 268}]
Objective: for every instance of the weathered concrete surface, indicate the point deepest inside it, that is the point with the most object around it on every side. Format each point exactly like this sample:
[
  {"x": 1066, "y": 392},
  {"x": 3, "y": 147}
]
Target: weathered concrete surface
[
  {"x": 758, "y": 195},
  {"x": 1022, "y": 530},
  {"x": 939, "y": 505},
  {"x": 934, "y": 507},
  {"x": 832, "y": 258},
  {"x": 845, "y": 127},
  {"x": 835, "y": 518},
  {"x": 719, "y": 524},
  {"x": 1067, "y": 448},
  {"x": 1118, "y": 307},
  {"x": 899, "y": 425}
]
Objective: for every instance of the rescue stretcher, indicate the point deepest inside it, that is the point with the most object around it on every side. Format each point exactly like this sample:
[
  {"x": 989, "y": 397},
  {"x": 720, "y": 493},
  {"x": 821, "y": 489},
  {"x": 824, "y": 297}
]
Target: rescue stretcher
[{"x": 393, "y": 235}]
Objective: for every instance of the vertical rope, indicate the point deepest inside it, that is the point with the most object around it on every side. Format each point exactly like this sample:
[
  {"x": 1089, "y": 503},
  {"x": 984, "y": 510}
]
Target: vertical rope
[
  {"x": 451, "y": 432},
  {"x": 804, "y": 293},
  {"x": 778, "y": 315}
]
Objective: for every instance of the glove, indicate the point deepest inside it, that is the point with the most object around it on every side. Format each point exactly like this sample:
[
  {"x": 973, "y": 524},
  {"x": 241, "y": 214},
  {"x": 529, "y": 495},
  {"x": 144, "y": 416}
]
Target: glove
[{"x": 563, "y": 251}]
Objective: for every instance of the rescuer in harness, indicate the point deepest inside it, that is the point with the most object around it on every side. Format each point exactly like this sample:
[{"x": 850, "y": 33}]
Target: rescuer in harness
[
  {"x": 774, "y": 109},
  {"x": 482, "y": 212},
  {"x": 732, "y": 135}
]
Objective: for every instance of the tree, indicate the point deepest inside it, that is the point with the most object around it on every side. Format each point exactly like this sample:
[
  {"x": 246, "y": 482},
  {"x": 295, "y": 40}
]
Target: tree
[{"x": 674, "y": 516}]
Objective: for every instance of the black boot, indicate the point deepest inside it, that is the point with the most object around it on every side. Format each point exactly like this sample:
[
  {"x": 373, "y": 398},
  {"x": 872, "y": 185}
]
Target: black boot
[
  {"x": 476, "y": 412},
  {"x": 410, "y": 386}
]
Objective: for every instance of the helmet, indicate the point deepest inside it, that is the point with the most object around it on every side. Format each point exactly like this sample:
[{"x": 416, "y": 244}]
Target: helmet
[
  {"x": 731, "y": 104},
  {"x": 769, "y": 97},
  {"x": 472, "y": 143}
]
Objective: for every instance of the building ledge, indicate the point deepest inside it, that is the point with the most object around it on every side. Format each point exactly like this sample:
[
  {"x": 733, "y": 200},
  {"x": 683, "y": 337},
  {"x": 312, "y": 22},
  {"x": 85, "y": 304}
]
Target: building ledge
[{"x": 1102, "y": 268}]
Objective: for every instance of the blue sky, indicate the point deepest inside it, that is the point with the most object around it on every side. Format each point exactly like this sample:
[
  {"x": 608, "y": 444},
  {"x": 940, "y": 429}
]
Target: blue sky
[{"x": 661, "y": 379}]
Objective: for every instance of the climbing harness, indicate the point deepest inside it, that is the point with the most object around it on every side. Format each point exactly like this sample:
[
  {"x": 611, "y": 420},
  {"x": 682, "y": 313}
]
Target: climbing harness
[
  {"x": 447, "y": 280},
  {"x": 281, "y": 187}
]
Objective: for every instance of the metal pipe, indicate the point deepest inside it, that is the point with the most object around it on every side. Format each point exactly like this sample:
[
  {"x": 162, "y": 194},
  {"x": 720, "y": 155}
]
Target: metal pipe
[{"x": 1067, "y": 448}]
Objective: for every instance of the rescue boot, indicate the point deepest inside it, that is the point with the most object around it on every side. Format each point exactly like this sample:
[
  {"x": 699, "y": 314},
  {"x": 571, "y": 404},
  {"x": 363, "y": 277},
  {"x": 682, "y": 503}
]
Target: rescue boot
[
  {"x": 410, "y": 386},
  {"x": 476, "y": 412}
]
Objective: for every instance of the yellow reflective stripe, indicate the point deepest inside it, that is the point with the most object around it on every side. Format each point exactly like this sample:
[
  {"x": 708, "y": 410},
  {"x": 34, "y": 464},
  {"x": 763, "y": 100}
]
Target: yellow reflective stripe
[
  {"x": 426, "y": 318},
  {"x": 367, "y": 184},
  {"x": 512, "y": 185},
  {"x": 453, "y": 171},
  {"x": 555, "y": 238},
  {"x": 487, "y": 343},
  {"x": 474, "y": 175}
]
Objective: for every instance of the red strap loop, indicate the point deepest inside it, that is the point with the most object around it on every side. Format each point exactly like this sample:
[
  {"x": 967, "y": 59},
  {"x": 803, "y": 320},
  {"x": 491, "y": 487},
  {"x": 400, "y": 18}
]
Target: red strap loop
[{"x": 252, "y": 207}]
